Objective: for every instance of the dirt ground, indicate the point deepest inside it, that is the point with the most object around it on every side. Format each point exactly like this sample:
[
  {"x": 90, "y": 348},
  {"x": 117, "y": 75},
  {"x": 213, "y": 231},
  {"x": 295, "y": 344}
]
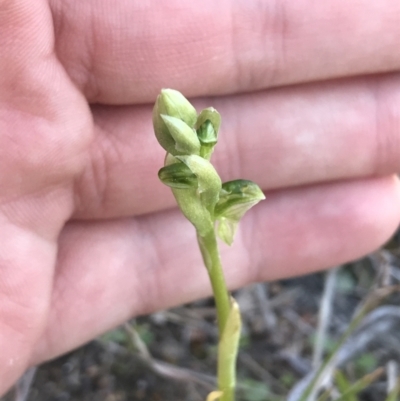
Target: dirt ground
[{"x": 175, "y": 357}]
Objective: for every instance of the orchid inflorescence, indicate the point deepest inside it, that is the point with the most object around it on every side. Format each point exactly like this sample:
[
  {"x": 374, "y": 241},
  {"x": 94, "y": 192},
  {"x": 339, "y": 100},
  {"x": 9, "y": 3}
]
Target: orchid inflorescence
[{"x": 213, "y": 207}]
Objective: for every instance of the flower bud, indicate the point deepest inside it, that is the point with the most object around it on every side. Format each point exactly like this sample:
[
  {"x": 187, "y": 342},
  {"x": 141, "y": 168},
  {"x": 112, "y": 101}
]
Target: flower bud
[
  {"x": 212, "y": 116},
  {"x": 178, "y": 175},
  {"x": 235, "y": 199},
  {"x": 173, "y": 104},
  {"x": 206, "y": 133},
  {"x": 208, "y": 139},
  {"x": 207, "y": 127},
  {"x": 186, "y": 141}
]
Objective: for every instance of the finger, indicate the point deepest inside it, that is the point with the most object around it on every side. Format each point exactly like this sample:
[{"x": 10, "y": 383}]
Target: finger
[
  {"x": 26, "y": 272},
  {"x": 40, "y": 148},
  {"x": 125, "y": 52},
  {"x": 110, "y": 271},
  {"x": 40, "y": 144},
  {"x": 278, "y": 138}
]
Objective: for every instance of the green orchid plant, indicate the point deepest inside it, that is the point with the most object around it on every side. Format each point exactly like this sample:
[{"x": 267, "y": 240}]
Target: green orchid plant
[{"x": 213, "y": 207}]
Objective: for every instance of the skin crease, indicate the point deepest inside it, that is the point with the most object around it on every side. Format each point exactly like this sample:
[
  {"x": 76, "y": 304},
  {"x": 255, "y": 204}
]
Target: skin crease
[{"x": 309, "y": 95}]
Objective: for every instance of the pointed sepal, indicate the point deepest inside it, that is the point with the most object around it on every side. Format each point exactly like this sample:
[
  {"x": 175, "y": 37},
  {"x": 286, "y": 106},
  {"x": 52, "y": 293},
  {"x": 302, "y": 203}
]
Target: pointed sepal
[
  {"x": 178, "y": 175},
  {"x": 235, "y": 199},
  {"x": 186, "y": 140}
]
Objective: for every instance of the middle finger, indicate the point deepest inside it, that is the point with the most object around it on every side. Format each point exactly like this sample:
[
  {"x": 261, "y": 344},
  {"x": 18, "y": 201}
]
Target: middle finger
[{"x": 284, "y": 137}]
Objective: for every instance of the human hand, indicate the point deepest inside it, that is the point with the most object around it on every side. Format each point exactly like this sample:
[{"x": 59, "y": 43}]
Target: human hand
[{"x": 89, "y": 237}]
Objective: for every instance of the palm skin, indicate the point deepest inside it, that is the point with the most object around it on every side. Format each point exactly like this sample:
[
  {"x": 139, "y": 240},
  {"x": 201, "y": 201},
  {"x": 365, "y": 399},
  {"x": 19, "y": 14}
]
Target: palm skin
[{"x": 90, "y": 238}]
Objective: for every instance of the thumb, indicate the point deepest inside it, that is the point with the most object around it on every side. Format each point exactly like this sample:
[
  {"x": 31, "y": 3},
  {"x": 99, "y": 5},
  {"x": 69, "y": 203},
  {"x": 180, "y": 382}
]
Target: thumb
[{"x": 44, "y": 123}]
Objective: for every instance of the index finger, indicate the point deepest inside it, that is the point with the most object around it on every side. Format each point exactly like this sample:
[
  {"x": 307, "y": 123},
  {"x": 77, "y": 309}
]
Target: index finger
[{"x": 124, "y": 52}]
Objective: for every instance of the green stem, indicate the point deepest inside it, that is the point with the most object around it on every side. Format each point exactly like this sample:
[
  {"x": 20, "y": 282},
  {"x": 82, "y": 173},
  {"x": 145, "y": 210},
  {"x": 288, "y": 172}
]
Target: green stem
[
  {"x": 209, "y": 250},
  {"x": 227, "y": 358}
]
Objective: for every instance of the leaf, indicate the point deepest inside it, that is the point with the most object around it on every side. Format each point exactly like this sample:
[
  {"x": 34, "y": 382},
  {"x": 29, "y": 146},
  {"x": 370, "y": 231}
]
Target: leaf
[
  {"x": 228, "y": 349},
  {"x": 214, "y": 395},
  {"x": 350, "y": 390}
]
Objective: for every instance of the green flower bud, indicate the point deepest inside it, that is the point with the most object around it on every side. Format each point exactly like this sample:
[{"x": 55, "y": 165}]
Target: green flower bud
[
  {"x": 173, "y": 104},
  {"x": 207, "y": 127},
  {"x": 178, "y": 175},
  {"x": 209, "y": 183},
  {"x": 186, "y": 141},
  {"x": 235, "y": 199},
  {"x": 206, "y": 133}
]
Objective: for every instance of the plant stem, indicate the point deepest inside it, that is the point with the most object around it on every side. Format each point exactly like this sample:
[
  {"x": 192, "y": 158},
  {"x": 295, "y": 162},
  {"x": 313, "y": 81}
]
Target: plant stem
[
  {"x": 209, "y": 250},
  {"x": 227, "y": 349}
]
